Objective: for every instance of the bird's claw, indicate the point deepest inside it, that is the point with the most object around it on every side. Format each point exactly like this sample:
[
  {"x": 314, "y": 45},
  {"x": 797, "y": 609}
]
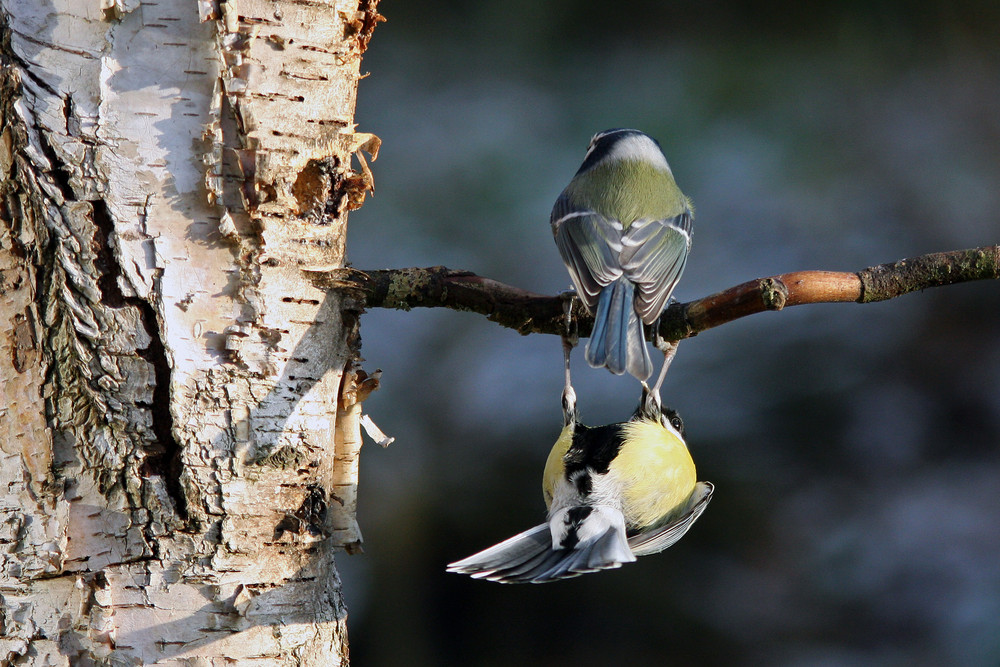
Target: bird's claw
[
  {"x": 568, "y": 405},
  {"x": 649, "y": 405}
]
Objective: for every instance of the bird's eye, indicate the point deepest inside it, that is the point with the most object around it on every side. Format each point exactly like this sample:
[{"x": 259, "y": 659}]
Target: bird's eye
[{"x": 675, "y": 421}]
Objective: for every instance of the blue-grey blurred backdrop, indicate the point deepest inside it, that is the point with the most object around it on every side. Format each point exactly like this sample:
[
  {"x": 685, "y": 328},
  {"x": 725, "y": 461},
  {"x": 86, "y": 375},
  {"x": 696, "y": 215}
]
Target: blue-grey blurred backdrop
[{"x": 854, "y": 448}]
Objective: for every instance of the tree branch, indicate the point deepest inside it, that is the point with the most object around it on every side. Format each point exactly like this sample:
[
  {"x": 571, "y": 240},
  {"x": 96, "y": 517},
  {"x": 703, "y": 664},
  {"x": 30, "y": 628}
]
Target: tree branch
[{"x": 526, "y": 312}]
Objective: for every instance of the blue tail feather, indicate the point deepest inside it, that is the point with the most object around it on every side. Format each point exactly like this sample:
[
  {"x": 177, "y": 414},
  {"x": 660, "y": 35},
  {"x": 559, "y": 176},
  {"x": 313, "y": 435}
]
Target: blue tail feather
[{"x": 617, "y": 341}]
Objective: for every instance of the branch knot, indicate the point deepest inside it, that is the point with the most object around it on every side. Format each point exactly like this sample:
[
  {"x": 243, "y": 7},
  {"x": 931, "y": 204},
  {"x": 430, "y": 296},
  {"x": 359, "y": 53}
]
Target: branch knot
[{"x": 773, "y": 293}]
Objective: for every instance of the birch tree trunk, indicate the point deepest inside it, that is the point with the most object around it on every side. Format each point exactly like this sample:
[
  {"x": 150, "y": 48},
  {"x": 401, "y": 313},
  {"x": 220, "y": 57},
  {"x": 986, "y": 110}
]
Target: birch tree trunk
[{"x": 179, "y": 406}]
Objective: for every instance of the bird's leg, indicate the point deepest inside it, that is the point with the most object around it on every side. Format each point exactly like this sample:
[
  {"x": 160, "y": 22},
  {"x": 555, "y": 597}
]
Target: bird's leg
[
  {"x": 669, "y": 349},
  {"x": 570, "y": 338}
]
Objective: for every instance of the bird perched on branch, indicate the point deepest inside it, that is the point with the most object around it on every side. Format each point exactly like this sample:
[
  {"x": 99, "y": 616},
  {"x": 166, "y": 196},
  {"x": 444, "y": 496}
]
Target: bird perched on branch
[
  {"x": 623, "y": 229},
  {"x": 613, "y": 492}
]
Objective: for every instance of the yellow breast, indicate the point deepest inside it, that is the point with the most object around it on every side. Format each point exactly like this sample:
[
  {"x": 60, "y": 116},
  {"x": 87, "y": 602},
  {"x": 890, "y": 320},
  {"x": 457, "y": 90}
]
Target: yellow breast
[{"x": 655, "y": 471}]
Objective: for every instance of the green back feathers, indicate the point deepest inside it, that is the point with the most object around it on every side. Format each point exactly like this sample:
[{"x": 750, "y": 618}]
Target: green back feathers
[{"x": 628, "y": 190}]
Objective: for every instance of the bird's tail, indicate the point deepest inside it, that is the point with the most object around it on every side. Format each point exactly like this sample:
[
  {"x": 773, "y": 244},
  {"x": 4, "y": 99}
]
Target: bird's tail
[
  {"x": 530, "y": 557},
  {"x": 617, "y": 341}
]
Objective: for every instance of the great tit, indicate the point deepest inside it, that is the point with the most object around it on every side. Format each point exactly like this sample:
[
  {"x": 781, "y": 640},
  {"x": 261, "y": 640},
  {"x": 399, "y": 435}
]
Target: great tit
[
  {"x": 613, "y": 492},
  {"x": 623, "y": 229}
]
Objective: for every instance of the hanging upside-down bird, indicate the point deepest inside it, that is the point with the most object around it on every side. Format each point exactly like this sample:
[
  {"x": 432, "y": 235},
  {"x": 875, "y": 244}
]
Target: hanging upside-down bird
[
  {"x": 623, "y": 229},
  {"x": 613, "y": 492}
]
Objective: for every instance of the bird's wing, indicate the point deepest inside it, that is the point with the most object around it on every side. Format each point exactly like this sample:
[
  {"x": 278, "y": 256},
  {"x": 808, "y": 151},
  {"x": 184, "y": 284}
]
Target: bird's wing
[
  {"x": 590, "y": 538},
  {"x": 589, "y": 245},
  {"x": 658, "y": 539},
  {"x": 653, "y": 256},
  {"x": 505, "y": 562}
]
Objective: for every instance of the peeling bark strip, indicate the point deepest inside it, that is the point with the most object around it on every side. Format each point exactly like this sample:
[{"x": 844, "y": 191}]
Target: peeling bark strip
[
  {"x": 528, "y": 313},
  {"x": 179, "y": 405}
]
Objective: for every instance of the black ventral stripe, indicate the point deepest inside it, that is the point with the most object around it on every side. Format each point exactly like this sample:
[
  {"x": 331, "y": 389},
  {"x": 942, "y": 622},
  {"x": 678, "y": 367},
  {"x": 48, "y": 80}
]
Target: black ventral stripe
[
  {"x": 593, "y": 448},
  {"x": 574, "y": 519}
]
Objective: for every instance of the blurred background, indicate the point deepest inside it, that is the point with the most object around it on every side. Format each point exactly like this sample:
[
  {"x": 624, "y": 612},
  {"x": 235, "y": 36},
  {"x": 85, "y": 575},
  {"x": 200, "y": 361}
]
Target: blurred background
[{"x": 854, "y": 448}]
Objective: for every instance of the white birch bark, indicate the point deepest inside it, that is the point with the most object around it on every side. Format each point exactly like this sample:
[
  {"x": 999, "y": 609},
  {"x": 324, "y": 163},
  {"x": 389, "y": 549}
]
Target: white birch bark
[{"x": 179, "y": 405}]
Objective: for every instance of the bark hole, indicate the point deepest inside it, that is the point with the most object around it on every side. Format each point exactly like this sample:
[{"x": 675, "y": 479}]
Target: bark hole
[{"x": 163, "y": 459}]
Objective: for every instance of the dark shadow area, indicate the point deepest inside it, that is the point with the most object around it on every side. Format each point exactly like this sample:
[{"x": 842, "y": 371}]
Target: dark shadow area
[{"x": 853, "y": 448}]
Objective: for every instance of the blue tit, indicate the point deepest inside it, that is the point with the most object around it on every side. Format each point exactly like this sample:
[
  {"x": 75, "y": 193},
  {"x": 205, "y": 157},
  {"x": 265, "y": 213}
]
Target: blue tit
[
  {"x": 613, "y": 492},
  {"x": 623, "y": 228}
]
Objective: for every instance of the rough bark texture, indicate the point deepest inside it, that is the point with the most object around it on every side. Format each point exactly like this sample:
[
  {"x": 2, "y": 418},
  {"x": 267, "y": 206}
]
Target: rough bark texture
[
  {"x": 526, "y": 312},
  {"x": 179, "y": 411}
]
